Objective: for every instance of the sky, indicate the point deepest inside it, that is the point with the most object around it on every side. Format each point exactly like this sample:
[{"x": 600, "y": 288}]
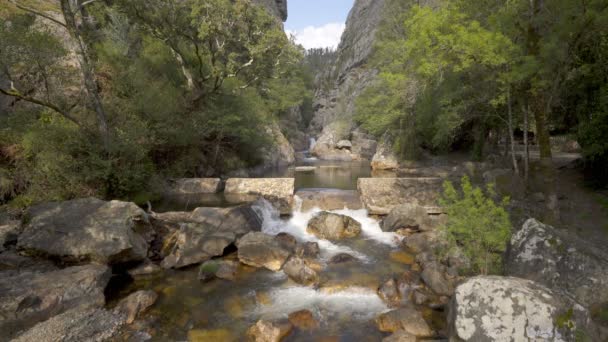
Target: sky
[{"x": 317, "y": 23}]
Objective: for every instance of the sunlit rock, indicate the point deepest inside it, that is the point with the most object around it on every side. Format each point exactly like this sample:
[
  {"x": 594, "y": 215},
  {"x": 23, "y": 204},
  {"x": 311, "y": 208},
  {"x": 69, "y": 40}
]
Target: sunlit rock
[
  {"x": 332, "y": 226},
  {"x": 262, "y": 250}
]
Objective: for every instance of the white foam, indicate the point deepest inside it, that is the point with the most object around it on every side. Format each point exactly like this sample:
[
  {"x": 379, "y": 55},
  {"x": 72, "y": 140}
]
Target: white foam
[{"x": 360, "y": 303}]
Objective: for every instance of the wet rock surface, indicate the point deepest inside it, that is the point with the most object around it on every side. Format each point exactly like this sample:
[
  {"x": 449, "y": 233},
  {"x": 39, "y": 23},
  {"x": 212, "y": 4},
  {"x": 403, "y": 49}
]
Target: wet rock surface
[
  {"x": 331, "y": 226},
  {"x": 31, "y": 296},
  {"x": 407, "y": 319},
  {"x": 491, "y": 308},
  {"x": 298, "y": 270},
  {"x": 86, "y": 229},
  {"x": 265, "y": 331},
  {"x": 135, "y": 304}
]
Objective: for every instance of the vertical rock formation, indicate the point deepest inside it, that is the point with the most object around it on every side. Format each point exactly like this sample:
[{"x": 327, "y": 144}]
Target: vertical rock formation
[
  {"x": 335, "y": 107},
  {"x": 277, "y": 7}
]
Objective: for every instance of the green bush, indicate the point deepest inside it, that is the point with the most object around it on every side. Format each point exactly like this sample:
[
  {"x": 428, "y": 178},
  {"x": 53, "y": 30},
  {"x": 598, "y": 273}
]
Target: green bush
[{"x": 477, "y": 224}]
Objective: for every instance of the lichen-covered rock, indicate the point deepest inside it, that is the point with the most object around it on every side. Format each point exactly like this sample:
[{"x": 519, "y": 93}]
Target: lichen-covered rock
[
  {"x": 559, "y": 261},
  {"x": 407, "y": 216},
  {"x": 135, "y": 304},
  {"x": 30, "y": 296},
  {"x": 86, "y": 229},
  {"x": 407, "y": 319},
  {"x": 381, "y": 195},
  {"x": 491, "y": 308},
  {"x": 330, "y": 226},
  {"x": 262, "y": 250},
  {"x": 298, "y": 271},
  {"x": 278, "y": 191},
  {"x": 266, "y": 331},
  {"x": 76, "y": 325}
]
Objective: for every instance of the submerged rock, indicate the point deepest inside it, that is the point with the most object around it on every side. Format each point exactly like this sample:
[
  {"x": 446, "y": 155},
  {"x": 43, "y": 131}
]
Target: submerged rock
[
  {"x": 559, "y": 261},
  {"x": 266, "y": 331},
  {"x": 76, "y": 325},
  {"x": 303, "y": 319},
  {"x": 297, "y": 270},
  {"x": 135, "y": 304},
  {"x": 381, "y": 195},
  {"x": 87, "y": 229},
  {"x": 491, "y": 308},
  {"x": 262, "y": 250},
  {"x": 407, "y": 319},
  {"x": 342, "y": 258},
  {"x": 29, "y": 297},
  {"x": 222, "y": 269},
  {"x": 216, "y": 335},
  {"x": 308, "y": 250},
  {"x": 400, "y": 336},
  {"x": 195, "y": 243},
  {"x": 331, "y": 226}
]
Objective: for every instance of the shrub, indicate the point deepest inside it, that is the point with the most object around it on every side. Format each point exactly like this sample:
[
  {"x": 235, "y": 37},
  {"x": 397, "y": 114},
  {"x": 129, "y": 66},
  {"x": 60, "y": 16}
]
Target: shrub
[{"x": 477, "y": 224}]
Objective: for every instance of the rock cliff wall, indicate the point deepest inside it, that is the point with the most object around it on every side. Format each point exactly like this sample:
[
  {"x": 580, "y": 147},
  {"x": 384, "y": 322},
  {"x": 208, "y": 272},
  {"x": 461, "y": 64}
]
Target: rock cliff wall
[{"x": 276, "y": 7}]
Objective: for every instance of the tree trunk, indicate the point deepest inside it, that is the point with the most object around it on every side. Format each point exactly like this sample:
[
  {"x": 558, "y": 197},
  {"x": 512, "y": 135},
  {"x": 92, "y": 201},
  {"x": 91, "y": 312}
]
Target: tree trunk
[
  {"x": 88, "y": 73},
  {"x": 511, "y": 135},
  {"x": 526, "y": 145}
]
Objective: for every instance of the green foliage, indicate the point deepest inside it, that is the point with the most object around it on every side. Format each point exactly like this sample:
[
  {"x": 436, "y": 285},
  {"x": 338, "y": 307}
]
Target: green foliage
[{"x": 477, "y": 224}]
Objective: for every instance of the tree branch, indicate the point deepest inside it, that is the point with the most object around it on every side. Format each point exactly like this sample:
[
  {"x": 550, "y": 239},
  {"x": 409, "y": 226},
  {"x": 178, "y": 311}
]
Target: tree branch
[
  {"x": 40, "y": 14},
  {"x": 14, "y": 93}
]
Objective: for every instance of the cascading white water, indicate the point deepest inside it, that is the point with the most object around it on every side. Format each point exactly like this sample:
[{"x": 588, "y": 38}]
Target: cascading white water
[{"x": 312, "y": 143}]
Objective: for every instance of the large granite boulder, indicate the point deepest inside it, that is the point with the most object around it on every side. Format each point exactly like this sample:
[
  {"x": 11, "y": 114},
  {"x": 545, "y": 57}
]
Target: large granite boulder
[
  {"x": 262, "y": 250},
  {"x": 491, "y": 308},
  {"x": 331, "y": 199},
  {"x": 195, "y": 243},
  {"x": 330, "y": 226},
  {"x": 86, "y": 229},
  {"x": 381, "y": 195},
  {"x": 280, "y": 153},
  {"x": 189, "y": 186},
  {"x": 408, "y": 216},
  {"x": 385, "y": 158},
  {"x": 559, "y": 261},
  {"x": 364, "y": 145},
  {"x": 29, "y": 296},
  {"x": 76, "y": 325},
  {"x": 278, "y": 191}
]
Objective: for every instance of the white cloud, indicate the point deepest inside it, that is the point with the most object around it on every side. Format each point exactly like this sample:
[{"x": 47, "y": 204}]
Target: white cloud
[{"x": 327, "y": 35}]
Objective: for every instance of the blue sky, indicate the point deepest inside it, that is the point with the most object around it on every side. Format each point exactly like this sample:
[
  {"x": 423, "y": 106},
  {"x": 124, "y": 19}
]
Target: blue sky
[{"x": 317, "y": 23}]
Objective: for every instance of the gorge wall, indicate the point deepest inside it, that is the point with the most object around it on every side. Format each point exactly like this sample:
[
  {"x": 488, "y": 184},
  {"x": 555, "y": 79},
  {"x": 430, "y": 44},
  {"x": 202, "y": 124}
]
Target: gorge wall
[{"x": 277, "y": 7}]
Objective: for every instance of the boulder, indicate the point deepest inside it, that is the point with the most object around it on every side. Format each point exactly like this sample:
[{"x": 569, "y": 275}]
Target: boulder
[
  {"x": 491, "y": 308},
  {"x": 344, "y": 145},
  {"x": 330, "y": 226},
  {"x": 265, "y": 331},
  {"x": 326, "y": 146},
  {"x": 380, "y": 195},
  {"x": 364, "y": 145},
  {"x": 400, "y": 336},
  {"x": 9, "y": 232},
  {"x": 146, "y": 268},
  {"x": 407, "y": 319},
  {"x": 135, "y": 304},
  {"x": 407, "y": 216},
  {"x": 385, "y": 158},
  {"x": 330, "y": 199},
  {"x": 261, "y": 250},
  {"x": 422, "y": 242},
  {"x": 191, "y": 186},
  {"x": 298, "y": 271},
  {"x": 342, "y": 258},
  {"x": 86, "y": 230},
  {"x": 278, "y": 191},
  {"x": 435, "y": 277},
  {"x": 389, "y": 293},
  {"x": 280, "y": 153},
  {"x": 303, "y": 319},
  {"x": 287, "y": 241},
  {"x": 195, "y": 243},
  {"x": 29, "y": 297},
  {"x": 559, "y": 261},
  {"x": 76, "y": 325},
  {"x": 308, "y": 250}
]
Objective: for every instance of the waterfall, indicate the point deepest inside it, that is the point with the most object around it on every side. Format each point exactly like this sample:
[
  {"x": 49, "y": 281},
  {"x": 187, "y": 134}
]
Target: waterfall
[{"x": 313, "y": 142}]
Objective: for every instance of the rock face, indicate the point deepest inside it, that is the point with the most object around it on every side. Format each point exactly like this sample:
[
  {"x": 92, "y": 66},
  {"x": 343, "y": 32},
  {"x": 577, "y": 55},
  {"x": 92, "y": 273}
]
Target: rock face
[
  {"x": 490, "y": 308},
  {"x": 326, "y": 147},
  {"x": 331, "y": 226},
  {"x": 76, "y": 325},
  {"x": 278, "y": 191},
  {"x": 29, "y": 297},
  {"x": 280, "y": 153},
  {"x": 381, "y": 195},
  {"x": 262, "y": 250},
  {"x": 385, "y": 158},
  {"x": 297, "y": 270},
  {"x": 8, "y": 233},
  {"x": 561, "y": 262},
  {"x": 185, "y": 186},
  {"x": 407, "y": 216},
  {"x": 86, "y": 229},
  {"x": 329, "y": 200},
  {"x": 276, "y": 7},
  {"x": 364, "y": 145}
]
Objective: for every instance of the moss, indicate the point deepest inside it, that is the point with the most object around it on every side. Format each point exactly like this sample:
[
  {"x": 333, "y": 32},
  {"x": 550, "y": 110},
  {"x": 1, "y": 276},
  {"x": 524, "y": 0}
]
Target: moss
[
  {"x": 564, "y": 321},
  {"x": 209, "y": 267}
]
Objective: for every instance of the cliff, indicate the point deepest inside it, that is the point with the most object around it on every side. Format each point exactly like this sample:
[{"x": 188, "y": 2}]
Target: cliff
[{"x": 277, "y": 7}]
